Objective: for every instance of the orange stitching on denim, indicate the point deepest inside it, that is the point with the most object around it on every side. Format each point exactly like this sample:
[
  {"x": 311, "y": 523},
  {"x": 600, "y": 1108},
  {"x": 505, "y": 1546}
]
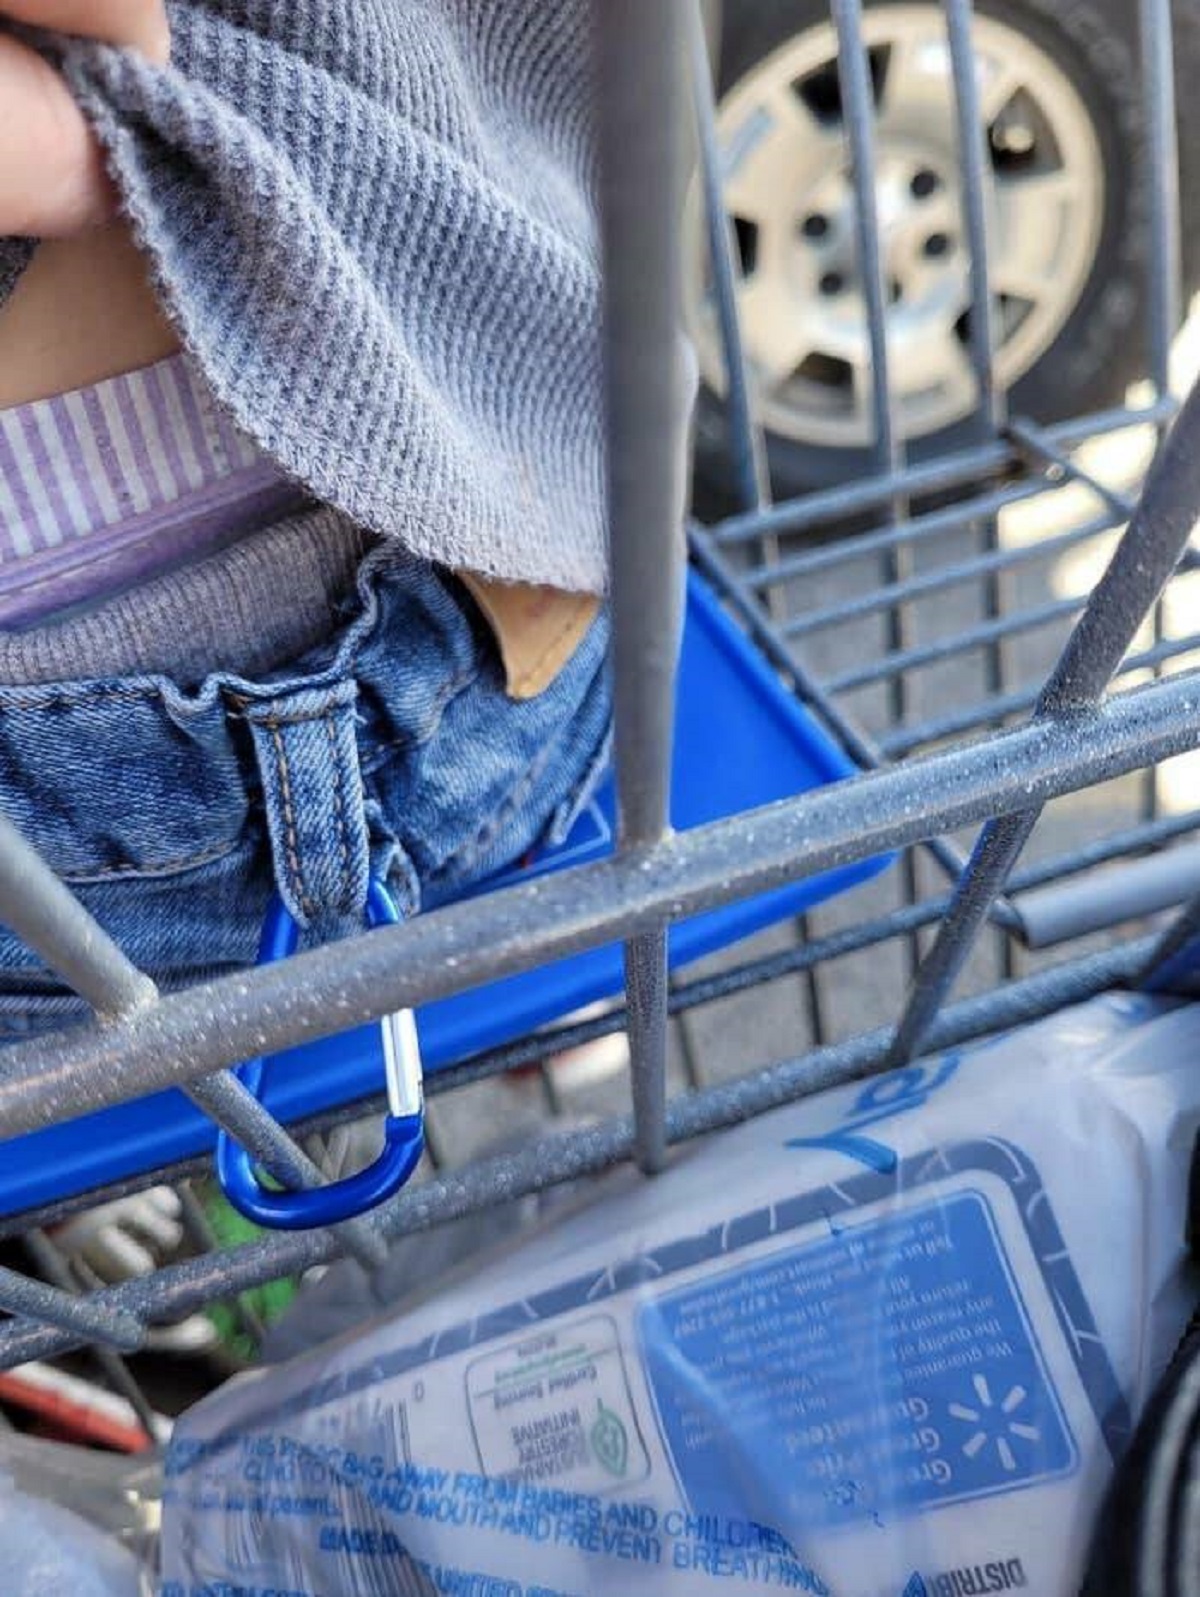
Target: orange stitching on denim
[
  {"x": 183, "y": 862},
  {"x": 290, "y": 847},
  {"x": 301, "y": 718},
  {"x": 345, "y": 901}
]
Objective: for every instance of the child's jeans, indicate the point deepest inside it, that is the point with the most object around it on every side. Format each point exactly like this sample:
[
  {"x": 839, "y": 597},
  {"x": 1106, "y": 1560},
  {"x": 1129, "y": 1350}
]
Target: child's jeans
[{"x": 388, "y": 748}]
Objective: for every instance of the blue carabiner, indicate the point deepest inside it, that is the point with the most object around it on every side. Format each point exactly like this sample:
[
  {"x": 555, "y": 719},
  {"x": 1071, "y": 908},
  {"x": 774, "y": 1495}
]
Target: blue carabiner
[{"x": 403, "y": 1128}]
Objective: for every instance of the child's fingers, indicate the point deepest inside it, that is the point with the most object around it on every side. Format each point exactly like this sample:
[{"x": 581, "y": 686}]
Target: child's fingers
[
  {"x": 52, "y": 176},
  {"x": 139, "y": 24}
]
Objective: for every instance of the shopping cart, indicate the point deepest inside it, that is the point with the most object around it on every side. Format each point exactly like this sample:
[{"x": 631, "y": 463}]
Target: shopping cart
[{"x": 929, "y": 642}]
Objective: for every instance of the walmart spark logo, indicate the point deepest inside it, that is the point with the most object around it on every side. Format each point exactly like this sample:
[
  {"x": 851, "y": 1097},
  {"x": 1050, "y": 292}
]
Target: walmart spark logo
[
  {"x": 609, "y": 1441},
  {"x": 993, "y": 1422}
]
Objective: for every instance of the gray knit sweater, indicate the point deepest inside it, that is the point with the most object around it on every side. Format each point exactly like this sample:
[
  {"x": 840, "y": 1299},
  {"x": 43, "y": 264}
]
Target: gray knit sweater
[{"x": 374, "y": 225}]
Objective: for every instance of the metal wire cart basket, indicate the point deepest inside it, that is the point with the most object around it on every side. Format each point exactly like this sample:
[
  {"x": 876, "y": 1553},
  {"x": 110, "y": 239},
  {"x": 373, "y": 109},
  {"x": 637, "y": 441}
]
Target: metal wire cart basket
[{"x": 998, "y": 637}]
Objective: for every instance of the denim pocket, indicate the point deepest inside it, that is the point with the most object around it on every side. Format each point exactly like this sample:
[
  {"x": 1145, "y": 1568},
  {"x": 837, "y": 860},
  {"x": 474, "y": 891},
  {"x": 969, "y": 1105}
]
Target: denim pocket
[{"x": 179, "y": 926}]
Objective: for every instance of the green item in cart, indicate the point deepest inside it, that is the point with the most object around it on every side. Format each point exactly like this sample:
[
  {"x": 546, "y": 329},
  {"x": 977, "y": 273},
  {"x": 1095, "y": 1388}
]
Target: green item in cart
[{"x": 264, "y": 1304}]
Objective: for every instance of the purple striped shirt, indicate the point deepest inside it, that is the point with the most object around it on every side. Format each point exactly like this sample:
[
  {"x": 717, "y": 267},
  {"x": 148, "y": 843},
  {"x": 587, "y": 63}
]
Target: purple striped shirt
[{"x": 105, "y": 487}]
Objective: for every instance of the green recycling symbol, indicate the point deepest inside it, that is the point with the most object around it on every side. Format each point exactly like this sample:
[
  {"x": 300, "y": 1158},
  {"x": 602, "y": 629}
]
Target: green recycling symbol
[{"x": 609, "y": 1442}]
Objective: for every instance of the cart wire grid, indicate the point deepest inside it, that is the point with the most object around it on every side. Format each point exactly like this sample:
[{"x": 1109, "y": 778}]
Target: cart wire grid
[{"x": 999, "y": 637}]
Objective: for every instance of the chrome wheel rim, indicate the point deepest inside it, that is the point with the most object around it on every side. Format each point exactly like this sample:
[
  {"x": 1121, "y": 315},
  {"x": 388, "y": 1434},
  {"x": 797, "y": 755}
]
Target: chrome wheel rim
[{"x": 789, "y": 191}]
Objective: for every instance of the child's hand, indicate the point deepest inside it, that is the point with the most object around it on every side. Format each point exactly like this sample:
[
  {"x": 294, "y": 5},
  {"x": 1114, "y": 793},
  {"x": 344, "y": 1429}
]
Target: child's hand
[{"x": 52, "y": 177}]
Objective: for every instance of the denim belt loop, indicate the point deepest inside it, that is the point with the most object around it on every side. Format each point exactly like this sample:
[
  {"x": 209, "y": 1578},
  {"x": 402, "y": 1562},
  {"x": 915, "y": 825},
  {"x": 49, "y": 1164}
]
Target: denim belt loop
[{"x": 313, "y": 796}]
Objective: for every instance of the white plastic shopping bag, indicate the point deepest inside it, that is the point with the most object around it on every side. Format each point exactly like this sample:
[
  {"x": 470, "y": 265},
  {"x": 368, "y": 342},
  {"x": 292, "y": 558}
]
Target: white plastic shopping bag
[{"x": 886, "y": 1341}]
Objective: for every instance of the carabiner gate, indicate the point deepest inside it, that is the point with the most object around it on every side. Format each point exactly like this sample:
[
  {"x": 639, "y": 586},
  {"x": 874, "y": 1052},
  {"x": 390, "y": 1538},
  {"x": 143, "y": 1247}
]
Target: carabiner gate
[{"x": 403, "y": 1127}]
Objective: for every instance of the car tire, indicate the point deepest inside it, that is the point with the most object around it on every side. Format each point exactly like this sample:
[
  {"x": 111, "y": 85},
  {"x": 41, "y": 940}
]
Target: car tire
[{"x": 1103, "y": 345}]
